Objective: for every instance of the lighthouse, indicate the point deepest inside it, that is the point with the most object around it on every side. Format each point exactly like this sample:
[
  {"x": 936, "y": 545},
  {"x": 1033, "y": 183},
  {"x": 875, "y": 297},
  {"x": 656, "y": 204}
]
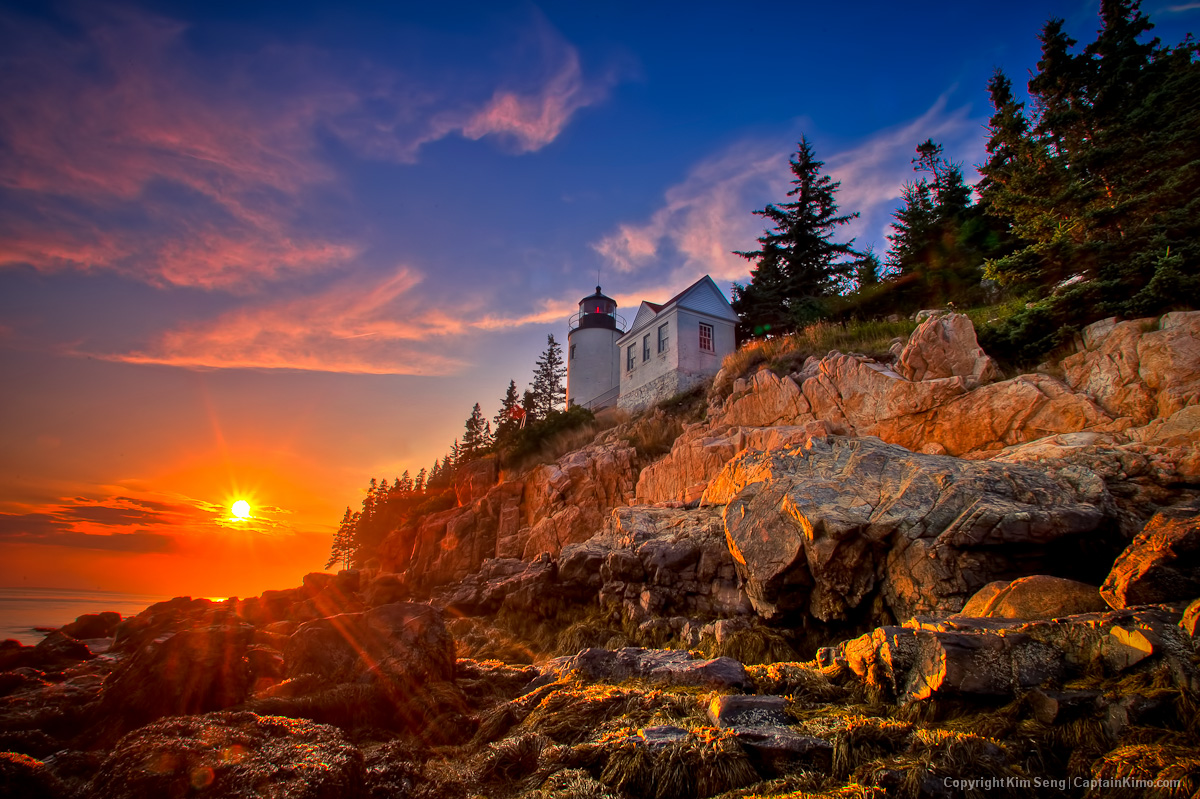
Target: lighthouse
[{"x": 593, "y": 359}]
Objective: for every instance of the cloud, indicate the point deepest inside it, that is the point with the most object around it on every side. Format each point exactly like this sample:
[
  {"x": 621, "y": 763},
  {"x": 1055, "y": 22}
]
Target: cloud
[
  {"x": 127, "y": 150},
  {"x": 533, "y": 120},
  {"x": 1184, "y": 7},
  {"x": 350, "y": 327},
  {"x": 127, "y": 153},
  {"x": 705, "y": 217},
  {"x": 104, "y": 522},
  {"x": 708, "y": 216}
]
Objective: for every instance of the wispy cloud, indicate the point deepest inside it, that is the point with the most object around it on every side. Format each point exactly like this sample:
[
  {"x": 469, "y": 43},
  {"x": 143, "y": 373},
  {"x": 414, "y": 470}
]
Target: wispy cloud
[
  {"x": 1183, "y": 7},
  {"x": 704, "y": 218},
  {"x": 129, "y": 151},
  {"x": 708, "y": 216},
  {"x": 350, "y": 327},
  {"x": 534, "y": 119}
]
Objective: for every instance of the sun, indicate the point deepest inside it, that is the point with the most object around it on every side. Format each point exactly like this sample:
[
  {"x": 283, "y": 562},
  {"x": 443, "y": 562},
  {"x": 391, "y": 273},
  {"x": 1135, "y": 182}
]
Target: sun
[{"x": 241, "y": 509}]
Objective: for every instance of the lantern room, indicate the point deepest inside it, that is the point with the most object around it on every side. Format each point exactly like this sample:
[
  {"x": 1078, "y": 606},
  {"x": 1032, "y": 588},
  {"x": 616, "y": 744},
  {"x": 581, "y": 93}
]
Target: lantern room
[{"x": 597, "y": 310}]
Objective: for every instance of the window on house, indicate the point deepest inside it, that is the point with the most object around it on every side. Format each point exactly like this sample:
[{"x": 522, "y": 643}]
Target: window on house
[
  {"x": 629, "y": 358},
  {"x": 646, "y": 347},
  {"x": 662, "y": 338},
  {"x": 572, "y": 352},
  {"x": 706, "y": 338}
]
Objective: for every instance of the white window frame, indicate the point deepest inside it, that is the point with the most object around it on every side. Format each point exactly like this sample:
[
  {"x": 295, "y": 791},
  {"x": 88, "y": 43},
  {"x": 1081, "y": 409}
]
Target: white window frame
[{"x": 664, "y": 341}]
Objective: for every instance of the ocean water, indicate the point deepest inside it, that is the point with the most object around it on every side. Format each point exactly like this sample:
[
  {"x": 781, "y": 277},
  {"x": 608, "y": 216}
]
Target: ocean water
[{"x": 23, "y": 609}]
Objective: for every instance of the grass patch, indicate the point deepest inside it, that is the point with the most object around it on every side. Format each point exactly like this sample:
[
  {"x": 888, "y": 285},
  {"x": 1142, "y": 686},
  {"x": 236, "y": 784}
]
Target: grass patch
[
  {"x": 1149, "y": 762},
  {"x": 753, "y": 647},
  {"x": 653, "y": 435},
  {"x": 787, "y": 354},
  {"x": 709, "y": 761}
]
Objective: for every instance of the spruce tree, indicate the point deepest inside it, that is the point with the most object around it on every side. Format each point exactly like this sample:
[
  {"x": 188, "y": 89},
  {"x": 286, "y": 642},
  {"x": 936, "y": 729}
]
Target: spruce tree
[
  {"x": 938, "y": 238},
  {"x": 505, "y": 420},
  {"x": 1097, "y": 180},
  {"x": 549, "y": 380},
  {"x": 343, "y": 542},
  {"x": 475, "y": 439},
  {"x": 798, "y": 266}
]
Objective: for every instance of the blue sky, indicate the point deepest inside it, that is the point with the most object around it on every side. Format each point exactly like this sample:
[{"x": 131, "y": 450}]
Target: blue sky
[{"x": 300, "y": 241}]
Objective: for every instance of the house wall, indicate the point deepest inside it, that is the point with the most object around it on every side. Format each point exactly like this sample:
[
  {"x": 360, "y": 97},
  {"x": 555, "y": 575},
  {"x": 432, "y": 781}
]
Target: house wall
[
  {"x": 656, "y": 372},
  {"x": 682, "y": 367},
  {"x": 694, "y": 360}
]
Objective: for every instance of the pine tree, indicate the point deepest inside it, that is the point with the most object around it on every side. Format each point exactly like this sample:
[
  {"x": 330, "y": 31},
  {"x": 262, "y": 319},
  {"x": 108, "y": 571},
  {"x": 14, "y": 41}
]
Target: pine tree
[
  {"x": 342, "y": 550},
  {"x": 529, "y": 405},
  {"x": 938, "y": 237},
  {"x": 506, "y": 421},
  {"x": 406, "y": 483},
  {"x": 798, "y": 266},
  {"x": 549, "y": 380},
  {"x": 476, "y": 438},
  {"x": 1098, "y": 181},
  {"x": 868, "y": 270},
  {"x": 419, "y": 485}
]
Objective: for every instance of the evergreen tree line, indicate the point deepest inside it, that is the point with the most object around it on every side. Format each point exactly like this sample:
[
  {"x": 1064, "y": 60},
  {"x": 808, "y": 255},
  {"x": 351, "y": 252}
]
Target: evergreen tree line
[
  {"x": 1088, "y": 206},
  {"x": 521, "y": 423}
]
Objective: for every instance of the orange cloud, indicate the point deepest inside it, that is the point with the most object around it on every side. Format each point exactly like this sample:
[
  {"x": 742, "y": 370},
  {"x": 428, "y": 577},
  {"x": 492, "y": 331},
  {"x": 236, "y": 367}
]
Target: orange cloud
[{"x": 348, "y": 328}]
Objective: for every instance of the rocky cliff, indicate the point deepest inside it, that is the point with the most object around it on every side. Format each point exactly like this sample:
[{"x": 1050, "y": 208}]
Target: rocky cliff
[{"x": 863, "y": 578}]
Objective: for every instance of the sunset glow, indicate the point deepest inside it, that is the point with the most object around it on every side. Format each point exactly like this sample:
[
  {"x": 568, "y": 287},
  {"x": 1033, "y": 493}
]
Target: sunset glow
[{"x": 254, "y": 255}]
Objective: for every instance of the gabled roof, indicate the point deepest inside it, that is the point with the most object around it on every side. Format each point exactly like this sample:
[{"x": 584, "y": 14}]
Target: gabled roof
[{"x": 703, "y": 297}]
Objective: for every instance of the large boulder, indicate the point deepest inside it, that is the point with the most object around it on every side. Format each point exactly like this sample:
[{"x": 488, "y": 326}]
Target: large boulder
[
  {"x": 93, "y": 625},
  {"x": 670, "y": 667},
  {"x": 172, "y": 615},
  {"x": 1143, "y": 368},
  {"x": 402, "y": 645},
  {"x": 191, "y": 671},
  {"x": 444, "y": 547},
  {"x": 971, "y": 657},
  {"x": 1039, "y": 596},
  {"x": 669, "y": 562},
  {"x": 854, "y": 395},
  {"x": 24, "y": 777},
  {"x": 944, "y": 345},
  {"x": 232, "y": 755},
  {"x": 820, "y": 530},
  {"x": 1162, "y": 564},
  {"x": 701, "y": 452},
  {"x": 474, "y": 479},
  {"x": 566, "y": 502}
]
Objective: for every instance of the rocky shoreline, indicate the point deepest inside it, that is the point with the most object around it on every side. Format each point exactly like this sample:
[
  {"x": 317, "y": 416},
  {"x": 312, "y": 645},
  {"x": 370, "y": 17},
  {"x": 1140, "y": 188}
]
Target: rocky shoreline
[{"x": 910, "y": 578}]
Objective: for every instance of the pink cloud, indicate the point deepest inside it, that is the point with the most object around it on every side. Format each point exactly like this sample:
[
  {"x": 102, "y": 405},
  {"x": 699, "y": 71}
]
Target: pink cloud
[
  {"x": 705, "y": 217},
  {"x": 534, "y": 120},
  {"x": 348, "y": 328},
  {"x": 103, "y": 121},
  {"x": 208, "y": 164},
  {"x": 709, "y": 215}
]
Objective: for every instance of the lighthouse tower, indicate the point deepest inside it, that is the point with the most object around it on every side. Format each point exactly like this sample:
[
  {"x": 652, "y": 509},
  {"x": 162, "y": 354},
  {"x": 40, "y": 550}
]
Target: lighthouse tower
[{"x": 593, "y": 359}]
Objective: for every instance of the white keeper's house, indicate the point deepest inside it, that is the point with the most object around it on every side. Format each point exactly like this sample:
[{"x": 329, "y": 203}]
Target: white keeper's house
[{"x": 669, "y": 347}]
